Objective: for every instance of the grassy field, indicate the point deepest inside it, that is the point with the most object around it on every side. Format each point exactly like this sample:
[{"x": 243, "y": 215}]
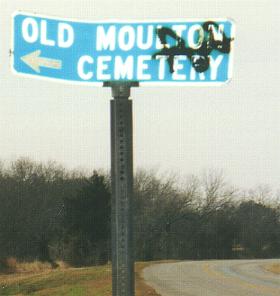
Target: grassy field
[
  {"x": 95, "y": 281},
  {"x": 275, "y": 268}
]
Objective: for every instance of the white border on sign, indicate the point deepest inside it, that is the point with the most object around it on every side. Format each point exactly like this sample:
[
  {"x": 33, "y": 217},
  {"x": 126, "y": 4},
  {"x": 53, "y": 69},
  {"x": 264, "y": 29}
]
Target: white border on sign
[{"x": 142, "y": 83}]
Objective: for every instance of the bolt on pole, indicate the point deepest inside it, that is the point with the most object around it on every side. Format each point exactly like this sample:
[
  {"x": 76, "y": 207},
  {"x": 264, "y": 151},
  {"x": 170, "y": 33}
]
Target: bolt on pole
[{"x": 122, "y": 188}]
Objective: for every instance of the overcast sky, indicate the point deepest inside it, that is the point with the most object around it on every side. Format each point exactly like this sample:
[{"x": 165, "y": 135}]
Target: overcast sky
[{"x": 234, "y": 127}]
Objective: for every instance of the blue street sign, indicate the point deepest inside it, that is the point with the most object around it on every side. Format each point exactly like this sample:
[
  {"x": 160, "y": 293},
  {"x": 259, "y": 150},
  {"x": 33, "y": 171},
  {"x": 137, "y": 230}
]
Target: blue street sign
[{"x": 196, "y": 52}]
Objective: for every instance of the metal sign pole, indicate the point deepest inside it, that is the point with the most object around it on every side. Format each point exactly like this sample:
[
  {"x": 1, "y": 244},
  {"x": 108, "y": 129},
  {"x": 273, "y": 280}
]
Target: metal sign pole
[{"x": 122, "y": 188}]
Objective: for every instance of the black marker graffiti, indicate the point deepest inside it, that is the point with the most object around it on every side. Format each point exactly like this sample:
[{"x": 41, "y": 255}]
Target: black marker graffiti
[{"x": 199, "y": 57}]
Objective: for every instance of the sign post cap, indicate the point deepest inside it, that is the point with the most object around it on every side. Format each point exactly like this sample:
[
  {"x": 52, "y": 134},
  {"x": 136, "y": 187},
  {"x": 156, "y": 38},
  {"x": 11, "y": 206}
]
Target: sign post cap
[{"x": 121, "y": 88}]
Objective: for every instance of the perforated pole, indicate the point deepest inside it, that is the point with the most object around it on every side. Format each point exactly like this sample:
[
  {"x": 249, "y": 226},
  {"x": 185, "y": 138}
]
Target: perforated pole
[{"x": 122, "y": 188}]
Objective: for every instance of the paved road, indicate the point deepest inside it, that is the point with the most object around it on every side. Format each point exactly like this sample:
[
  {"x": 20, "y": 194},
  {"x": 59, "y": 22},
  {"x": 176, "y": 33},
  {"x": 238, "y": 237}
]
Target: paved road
[{"x": 213, "y": 278}]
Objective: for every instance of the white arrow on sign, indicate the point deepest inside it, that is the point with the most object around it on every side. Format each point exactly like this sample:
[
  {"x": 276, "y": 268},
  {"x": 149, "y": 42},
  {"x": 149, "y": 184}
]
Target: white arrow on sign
[{"x": 35, "y": 61}]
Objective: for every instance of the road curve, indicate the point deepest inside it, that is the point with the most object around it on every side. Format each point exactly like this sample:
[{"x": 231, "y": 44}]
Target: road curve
[{"x": 213, "y": 278}]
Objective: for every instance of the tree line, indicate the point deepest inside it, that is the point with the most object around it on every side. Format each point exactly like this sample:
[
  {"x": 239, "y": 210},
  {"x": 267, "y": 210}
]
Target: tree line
[{"x": 48, "y": 213}]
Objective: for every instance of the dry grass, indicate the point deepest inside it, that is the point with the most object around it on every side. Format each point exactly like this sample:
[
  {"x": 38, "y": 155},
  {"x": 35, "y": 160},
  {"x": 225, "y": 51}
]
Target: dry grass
[
  {"x": 33, "y": 267},
  {"x": 11, "y": 265},
  {"x": 275, "y": 268},
  {"x": 40, "y": 280}
]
